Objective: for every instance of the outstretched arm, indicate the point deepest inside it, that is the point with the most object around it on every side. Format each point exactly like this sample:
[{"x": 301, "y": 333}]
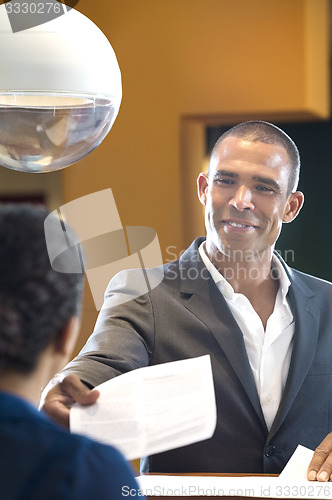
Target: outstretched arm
[{"x": 121, "y": 341}]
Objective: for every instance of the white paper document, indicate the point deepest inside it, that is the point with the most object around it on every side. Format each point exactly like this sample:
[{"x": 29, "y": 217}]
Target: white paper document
[
  {"x": 297, "y": 467},
  {"x": 152, "y": 409}
]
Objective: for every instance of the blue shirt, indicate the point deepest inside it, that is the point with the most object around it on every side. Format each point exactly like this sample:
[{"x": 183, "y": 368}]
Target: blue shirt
[{"x": 41, "y": 461}]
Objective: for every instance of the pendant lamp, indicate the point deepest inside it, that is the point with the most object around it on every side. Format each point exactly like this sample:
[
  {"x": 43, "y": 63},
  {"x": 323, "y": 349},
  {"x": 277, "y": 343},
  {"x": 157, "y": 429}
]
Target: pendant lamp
[{"x": 60, "y": 92}]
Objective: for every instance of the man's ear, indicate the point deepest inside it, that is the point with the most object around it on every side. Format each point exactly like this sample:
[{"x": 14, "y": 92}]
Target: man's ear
[
  {"x": 202, "y": 187},
  {"x": 293, "y": 206},
  {"x": 66, "y": 339}
]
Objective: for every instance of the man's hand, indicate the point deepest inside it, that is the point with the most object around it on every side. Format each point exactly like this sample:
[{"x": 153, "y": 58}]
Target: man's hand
[
  {"x": 62, "y": 396},
  {"x": 320, "y": 468}
]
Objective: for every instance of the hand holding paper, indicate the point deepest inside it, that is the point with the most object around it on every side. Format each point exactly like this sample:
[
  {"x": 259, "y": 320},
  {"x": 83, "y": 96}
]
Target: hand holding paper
[{"x": 152, "y": 409}]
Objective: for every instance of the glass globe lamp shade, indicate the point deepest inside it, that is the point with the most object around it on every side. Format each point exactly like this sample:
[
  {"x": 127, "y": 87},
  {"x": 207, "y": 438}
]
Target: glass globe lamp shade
[{"x": 60, "y": 92}]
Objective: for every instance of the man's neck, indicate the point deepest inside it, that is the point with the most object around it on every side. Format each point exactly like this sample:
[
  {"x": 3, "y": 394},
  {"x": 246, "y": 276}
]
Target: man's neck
[
  {"x": 29, "y": 386},
  {"x": 251, "y": 275},
  {"x": 26, "y": 387},
  {"x": 242, "y": 268}
]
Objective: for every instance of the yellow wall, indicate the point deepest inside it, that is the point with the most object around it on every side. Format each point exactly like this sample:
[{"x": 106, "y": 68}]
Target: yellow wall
[{"x": 187, "y": 63}]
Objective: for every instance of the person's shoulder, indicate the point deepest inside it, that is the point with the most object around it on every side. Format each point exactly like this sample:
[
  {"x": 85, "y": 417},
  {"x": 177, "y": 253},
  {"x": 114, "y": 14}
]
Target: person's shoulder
[
  {"x": 96, "y": 469},
  {"x": 71, "y": 465},
  {"x": 141, "y": 280},
  {"x": 72, "y": 444},
  {"x": 101, "y": 471},
  {"x": 187, "y": 264},
  {"x": 314, "y": 283},
  {"x": 138, "y": 285},
  {"x": 79, "y": 444}
]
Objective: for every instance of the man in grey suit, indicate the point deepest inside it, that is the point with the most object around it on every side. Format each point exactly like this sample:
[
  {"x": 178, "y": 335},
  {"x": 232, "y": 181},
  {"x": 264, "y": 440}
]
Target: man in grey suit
[{"x": 267, "y": 328}]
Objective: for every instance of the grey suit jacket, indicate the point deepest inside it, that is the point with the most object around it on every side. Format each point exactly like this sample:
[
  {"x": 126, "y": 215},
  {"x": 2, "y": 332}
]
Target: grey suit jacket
[{"x": 186, "y": 316}]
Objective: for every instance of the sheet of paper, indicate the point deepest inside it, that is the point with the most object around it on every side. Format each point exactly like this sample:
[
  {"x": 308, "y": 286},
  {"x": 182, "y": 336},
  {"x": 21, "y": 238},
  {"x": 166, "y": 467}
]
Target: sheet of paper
[
  {"x": 152, "y": 409},
  {"x": 219, "y": 486},
  {"x": 297, "y": 466}
]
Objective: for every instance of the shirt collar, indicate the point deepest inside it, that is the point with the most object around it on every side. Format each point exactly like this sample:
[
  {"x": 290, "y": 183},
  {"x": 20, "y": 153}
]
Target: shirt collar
[{"x": 226, "y": 288}]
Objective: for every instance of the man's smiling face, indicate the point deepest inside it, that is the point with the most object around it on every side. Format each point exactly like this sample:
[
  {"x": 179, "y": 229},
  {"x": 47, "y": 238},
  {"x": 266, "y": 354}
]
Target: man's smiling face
[{"x": 246, "y": 197}]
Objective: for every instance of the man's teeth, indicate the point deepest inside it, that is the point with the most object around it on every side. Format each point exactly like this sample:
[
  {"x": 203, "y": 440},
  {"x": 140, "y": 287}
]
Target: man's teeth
[{"x": 236, "y": 224}]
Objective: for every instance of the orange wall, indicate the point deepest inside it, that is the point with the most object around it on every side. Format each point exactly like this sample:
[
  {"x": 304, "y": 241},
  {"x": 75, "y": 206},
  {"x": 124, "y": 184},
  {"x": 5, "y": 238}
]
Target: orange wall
[
  {"x": 211, "y": 58},
  {"x": 186, "y": 63}
]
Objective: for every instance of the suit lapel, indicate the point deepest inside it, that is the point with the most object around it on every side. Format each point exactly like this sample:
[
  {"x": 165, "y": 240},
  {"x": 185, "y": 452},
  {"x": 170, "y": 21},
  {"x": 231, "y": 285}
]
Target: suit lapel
[
  {"x": 305, "y": 311},
  {"x": 207, "y": 303},
  {"x": 210, "y": 307}
]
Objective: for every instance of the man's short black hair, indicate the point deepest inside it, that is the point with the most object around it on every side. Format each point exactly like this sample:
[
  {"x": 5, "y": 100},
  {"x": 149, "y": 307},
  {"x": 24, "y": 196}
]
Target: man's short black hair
[
  {"x": 36, "y": 302},
  {"x": 260, "y": 131}
]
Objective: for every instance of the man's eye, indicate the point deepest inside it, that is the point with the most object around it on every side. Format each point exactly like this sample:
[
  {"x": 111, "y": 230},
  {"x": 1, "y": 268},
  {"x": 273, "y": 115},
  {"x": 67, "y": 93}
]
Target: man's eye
[
  {"x": 224, "y": 181},
  {"x": 264, "y": 189}
]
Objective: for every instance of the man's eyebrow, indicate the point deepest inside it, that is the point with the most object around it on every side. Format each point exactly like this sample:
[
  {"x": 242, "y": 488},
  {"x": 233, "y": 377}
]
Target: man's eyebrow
[{"x": 225, "y": 173}]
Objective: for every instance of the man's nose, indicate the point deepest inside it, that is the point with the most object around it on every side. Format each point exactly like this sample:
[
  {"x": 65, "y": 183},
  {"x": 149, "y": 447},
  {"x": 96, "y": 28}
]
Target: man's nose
[{"x": 242, "y": 199}]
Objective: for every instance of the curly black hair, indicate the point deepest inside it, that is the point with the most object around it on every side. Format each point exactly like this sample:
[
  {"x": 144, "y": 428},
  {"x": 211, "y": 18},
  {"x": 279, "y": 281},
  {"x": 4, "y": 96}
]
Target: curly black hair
[{"x": 36, "y": 302}]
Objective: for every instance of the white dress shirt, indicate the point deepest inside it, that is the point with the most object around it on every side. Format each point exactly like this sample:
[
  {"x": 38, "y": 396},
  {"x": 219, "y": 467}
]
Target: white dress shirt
[{"x": 269, "y": 351}]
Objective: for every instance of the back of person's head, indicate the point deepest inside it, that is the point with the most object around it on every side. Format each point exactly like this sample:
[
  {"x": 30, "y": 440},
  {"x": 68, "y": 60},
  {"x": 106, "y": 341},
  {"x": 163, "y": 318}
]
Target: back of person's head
[
  {"x": 36, "y": 302},
  {"x": 261, "y": 131}
]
